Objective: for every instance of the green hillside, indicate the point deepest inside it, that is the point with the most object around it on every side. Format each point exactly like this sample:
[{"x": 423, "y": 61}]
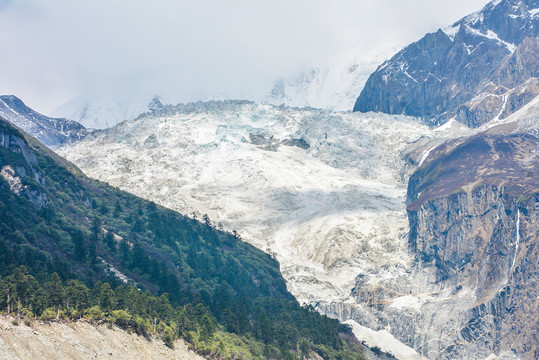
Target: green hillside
[{"x": 72, "y": 247}]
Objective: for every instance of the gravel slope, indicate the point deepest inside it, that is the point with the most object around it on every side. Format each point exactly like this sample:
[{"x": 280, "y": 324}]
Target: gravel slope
[{"x": 81, "y": 340}]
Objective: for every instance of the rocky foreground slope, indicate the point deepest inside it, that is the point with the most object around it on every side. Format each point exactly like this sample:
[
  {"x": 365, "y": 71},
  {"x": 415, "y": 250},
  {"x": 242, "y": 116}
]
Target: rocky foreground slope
[
  {"x": 81, "y": 341},
  {"x": 481, "y": 68}
]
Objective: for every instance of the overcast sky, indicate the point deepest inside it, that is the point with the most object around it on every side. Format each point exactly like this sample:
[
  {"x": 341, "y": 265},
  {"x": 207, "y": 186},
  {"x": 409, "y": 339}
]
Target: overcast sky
[{"x": 54, "y": 50}]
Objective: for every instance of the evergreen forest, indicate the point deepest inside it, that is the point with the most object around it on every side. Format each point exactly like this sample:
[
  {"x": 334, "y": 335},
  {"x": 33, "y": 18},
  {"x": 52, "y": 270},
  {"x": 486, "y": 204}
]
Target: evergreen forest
[{"x": 76, "y": 249}]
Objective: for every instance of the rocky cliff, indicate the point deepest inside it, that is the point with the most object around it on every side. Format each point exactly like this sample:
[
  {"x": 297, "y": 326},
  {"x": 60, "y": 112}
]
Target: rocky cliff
[
  {"x": 474, "y": 225},
  {"x": 482, "y": 67},
  {"x": 484, "y": 244},
  {"x": 14, "y": 173},
  {"x": 468, "y": 289}
]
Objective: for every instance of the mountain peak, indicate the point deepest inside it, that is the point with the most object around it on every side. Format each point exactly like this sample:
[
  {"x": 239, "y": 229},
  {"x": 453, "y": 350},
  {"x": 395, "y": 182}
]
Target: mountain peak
[
  {"x": 454, "y": 72},
  {"x": 155, "y": 104}
]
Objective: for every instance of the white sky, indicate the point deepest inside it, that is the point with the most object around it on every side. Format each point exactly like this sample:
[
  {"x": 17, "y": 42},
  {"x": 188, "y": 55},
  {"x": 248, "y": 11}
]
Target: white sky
[{"x": 54, "y": 50}]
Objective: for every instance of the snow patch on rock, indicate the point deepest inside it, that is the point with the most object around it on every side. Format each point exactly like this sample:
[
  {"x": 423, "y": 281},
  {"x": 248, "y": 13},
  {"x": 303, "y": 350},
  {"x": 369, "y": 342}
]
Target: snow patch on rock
[{"x": 384, "y": 341}]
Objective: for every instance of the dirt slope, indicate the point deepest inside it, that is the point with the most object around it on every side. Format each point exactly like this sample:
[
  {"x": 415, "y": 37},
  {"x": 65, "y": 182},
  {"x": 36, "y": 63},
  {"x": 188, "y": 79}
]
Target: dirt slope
[{"x": 81, "y": 340}]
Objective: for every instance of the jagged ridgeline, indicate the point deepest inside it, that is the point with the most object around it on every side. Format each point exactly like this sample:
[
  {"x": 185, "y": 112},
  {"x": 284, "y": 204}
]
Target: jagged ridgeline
[
  {"x": 72, "y": 247},
  {"x": 481, "y": 68}
]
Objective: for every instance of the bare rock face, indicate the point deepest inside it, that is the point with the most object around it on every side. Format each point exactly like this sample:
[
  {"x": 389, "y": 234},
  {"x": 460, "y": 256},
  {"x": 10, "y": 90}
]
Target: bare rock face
[
  {"x": 474, "y": 224},
  {"x": 483, "y": 67},
  {"x": 514, "y": 84},
  {"x": 484, "y": 243}
]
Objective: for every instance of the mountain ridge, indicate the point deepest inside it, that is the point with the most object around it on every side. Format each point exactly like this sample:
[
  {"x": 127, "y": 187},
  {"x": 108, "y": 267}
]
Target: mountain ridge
[
  {"x": 466, "y": 71},
  {"x": 50, "y": 131}
]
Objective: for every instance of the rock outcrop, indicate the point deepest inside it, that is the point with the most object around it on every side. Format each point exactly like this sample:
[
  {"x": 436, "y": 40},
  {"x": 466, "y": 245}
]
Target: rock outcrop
[
  {"x": 483, "y": 67},
  {"x": 16, "y": 174}
]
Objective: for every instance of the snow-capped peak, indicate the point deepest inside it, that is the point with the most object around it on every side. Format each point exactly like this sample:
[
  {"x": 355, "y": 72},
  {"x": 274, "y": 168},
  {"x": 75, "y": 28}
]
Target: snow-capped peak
[{"x": 331, "y": 88}]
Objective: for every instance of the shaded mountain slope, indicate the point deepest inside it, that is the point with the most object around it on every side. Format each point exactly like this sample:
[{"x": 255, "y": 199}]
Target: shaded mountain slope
[{"x": 483, "y": 67}]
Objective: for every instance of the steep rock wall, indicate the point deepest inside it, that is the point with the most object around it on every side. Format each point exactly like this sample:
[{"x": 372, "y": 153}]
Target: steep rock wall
[
  {"x": 468, "y": 289},
  {"x": 485, "y": 242},
  {"x": 474, "y": 227},
  {"x": 483, "y": 67}
]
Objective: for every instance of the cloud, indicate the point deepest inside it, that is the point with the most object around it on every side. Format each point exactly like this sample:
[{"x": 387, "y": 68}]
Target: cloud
[{"x": 52, "y": 50}]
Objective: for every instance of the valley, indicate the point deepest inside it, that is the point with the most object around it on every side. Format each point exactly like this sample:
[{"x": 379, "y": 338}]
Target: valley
[
  {"x": 379, "y": 208},
  {"x": 326, "y": 194},
  {"x": 330, "y": 209}
]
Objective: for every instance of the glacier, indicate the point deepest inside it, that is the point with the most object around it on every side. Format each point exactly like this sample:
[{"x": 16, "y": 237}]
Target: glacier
[
  {"x": 323, "y": 192},
  {"x": 327, "y": 213}
]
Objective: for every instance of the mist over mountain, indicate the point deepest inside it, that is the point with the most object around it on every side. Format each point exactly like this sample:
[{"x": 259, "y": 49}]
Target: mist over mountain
[
  {"x": 101, "y": 111},
  {"x": 332, "y": 88}
]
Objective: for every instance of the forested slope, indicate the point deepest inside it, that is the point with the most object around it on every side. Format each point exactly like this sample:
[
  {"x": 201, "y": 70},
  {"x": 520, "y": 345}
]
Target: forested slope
[{"x": 72, "y": 247}]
